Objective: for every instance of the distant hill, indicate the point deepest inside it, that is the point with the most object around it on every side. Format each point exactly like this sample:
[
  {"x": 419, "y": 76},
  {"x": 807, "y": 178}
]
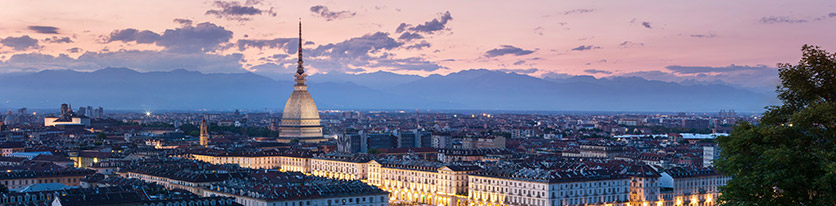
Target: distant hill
[{"x": 121, "y": 88}]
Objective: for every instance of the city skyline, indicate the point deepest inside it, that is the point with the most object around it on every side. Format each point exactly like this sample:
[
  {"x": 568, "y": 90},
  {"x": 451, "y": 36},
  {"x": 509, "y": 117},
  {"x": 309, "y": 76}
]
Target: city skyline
[{"x": 734, "y": 43}]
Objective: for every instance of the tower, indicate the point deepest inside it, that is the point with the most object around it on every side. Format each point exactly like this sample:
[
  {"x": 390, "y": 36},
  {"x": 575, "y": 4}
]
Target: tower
[
  {"x": 300, "y": 118},
  {"x": 204, "y": 133}
]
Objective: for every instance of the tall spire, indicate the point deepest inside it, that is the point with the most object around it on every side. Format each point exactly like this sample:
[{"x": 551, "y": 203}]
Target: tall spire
[
  {"x": 300, "y": 70},
  {"x": 204, "y": 133}
]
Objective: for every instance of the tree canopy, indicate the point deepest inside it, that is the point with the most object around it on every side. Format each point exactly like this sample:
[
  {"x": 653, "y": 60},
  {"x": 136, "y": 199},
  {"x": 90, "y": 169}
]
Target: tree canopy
[{"x": 789, "y": 157}]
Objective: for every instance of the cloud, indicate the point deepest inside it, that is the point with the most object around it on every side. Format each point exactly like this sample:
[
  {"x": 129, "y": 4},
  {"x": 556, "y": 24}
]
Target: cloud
[
  {"x": 138, "y": 60},
  {"x": 58, "y": 40},
  {"x": 428, "y": 27},
  {"x": 408, "y": 36},
  {"x": 628, "y": 44},
  {"x": 74, "y": 50},
  {"x": 520, "y": 62},
  {"x": 578, "y": 11},
  {"x": 706, "y": 69},
  {"x": 233, "y": 10},
  {"x": 596, "y": 71},
  {"x": 44, "y": 29},
  {"x": 20, "y": 43},
  {"x": 183, "y": 22},
  {"x": 646, "y": 25},
  {"x": 585, "y": 47},
  {"x": 539, "y": 30},
  {"x": 419, "y": 46},
  {"x": 324, "y": 12},
  {"x": 706, "y": 36},
  {"x": 367, "y": 51},
  {"x": 780, "y": 20},
  {"x": 289, "y": 44},
  {"x": 133, "y": 35},
  {"x": 507, "y": 49},
  {"x": 520, "y": 71},
  {"x": 201, "y": 37}
]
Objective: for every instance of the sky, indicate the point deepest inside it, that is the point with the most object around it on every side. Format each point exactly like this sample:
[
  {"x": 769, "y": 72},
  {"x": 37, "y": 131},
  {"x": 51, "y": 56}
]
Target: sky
[{"x": 731, "y": 42}]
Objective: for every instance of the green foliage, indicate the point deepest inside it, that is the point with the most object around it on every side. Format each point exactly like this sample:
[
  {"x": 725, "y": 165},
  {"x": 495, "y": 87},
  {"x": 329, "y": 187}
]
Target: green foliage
[
  {"x": 101, "y": 135},
  {"x": 189, "y": 129},
  {"x": 790, "y": 157}
]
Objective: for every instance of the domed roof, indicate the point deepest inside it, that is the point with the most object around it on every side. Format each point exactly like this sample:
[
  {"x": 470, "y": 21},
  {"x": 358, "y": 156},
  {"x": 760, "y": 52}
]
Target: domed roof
[{"x": 300, "y": 106}]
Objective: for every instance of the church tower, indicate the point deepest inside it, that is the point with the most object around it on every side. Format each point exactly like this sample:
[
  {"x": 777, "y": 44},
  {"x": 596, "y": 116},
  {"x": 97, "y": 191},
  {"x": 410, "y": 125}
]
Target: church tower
[
  {"x": 300, "y": 118},
  {"x": 204, "y": 133}
]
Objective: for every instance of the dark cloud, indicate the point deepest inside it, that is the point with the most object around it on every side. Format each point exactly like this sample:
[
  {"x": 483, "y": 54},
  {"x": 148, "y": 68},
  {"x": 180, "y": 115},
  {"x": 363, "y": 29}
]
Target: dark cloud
[
  {"x": 419, "y": 46},
  {"x": 133, "y": 35},
  {"x": 429, "y": 27},
  {"x": 324, "y": 12},
  {"x": 596, "y": 71},
  {"x": 44, "y": 29},
  {"x": 58, "y": 40},
  {"x": 585, "y": 47},
  {"x": 233, "y": 10},
  {"x": 507, "y": 49},
  {"x": 183, "y": 22},
  {"x": 402, "y": 27},
  {"x": 520, "y": 71},
  {"x": 20, "y": 43},
  {"x": 628, "y": 44},
  {"x": 519, "y": 62},
  {"x": 408, "y": 36},
  {"x": 289, "y": 44},
  {"x": 831, "y": 15},
  {"x": 578, "y": 11},
  {"x": 780, "y": 20},
  {"x": 74, "y": 50},
  {"x": 706, "y": 36},
  {"x": 646, "y": 25},
  {"x": 726, "y": 69},
  {"x": 201, "y": 37}
]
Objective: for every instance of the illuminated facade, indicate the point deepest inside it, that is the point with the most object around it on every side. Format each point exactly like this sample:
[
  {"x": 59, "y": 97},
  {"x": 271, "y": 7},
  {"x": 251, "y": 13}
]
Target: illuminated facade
[
  {"x": 341, "y": 166},
  {"x": 286, "y": 161},
  {"x": 421, "y": 182},
  {"x": 693, "y": 186},
  {"x": 522, "y": 186}
]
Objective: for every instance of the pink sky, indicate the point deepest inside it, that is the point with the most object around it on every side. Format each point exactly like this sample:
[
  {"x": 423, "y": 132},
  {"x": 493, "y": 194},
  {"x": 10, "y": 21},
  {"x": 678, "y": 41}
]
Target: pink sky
[{"x": 661, "y": 34}]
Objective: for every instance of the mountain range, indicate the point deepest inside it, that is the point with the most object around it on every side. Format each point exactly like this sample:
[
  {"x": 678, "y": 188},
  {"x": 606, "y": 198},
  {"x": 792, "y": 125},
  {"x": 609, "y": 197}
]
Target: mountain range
[{"x": 122, "y": 88}]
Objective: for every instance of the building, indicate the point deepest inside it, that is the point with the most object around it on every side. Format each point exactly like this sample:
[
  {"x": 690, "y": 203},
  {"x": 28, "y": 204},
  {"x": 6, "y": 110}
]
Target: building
[
  {"x": 7, "y": 148},
  {"x": 709, "y": 154},
  {"x": 288, "y": 189},
  {"x": 341, "y": 166},
  {"x": 424, "y": 182},
  {"x": 692, "y": 186},
  {"x": 26, "y": 176},
  {"x": 67, "y": 118},
  {"x": 525, "y": 186},
  {"x": 300, "y": 118},
  {"x": 442, "y": 141},
  {"x": 204, "y": 133},
  {"x": 285, "y": 160}
]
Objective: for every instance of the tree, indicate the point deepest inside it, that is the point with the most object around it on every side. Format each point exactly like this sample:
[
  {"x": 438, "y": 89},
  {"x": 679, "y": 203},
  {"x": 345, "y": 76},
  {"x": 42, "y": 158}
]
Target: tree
[
  {"x": 789, "y": 158},
  {"x": 101, "y": 135}
]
